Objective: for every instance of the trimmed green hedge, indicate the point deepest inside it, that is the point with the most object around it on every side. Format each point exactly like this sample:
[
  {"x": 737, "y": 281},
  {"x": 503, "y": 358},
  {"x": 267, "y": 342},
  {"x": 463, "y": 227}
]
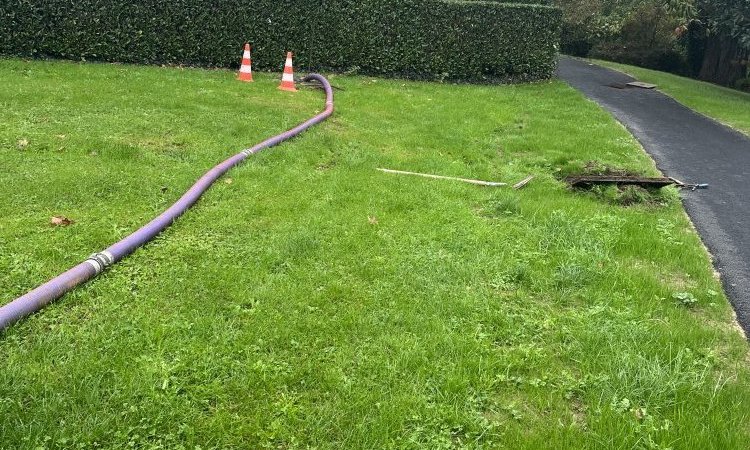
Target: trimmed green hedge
[{"x": 470, "y": 41}]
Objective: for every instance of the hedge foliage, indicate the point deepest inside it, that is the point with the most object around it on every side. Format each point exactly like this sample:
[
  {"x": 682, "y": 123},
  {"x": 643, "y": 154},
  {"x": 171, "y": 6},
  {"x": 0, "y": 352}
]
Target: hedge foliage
[{"x": 452, "y": 40}]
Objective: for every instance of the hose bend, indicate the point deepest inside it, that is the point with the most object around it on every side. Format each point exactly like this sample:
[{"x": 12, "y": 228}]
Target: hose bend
[{"x": 55, "y": 288}]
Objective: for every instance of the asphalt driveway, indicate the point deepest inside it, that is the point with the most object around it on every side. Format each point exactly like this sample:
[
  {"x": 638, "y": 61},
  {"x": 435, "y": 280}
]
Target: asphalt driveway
[{"x": 692, "y": 148}]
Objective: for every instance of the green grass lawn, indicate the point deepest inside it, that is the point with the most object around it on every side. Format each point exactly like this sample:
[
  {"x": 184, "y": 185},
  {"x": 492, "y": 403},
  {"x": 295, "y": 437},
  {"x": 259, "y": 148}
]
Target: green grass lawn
[
  {"x": 310, "y": 301},
  {"x": 729, "y": 106}
]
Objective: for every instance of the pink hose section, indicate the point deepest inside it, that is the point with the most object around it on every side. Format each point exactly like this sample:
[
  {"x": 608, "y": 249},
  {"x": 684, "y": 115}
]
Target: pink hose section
[{"x": 55, "y": 288}]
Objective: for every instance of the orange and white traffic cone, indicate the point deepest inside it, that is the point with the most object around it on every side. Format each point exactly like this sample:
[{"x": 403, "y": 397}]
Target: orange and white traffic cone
[
  {"x": 246, "y": 70},
  {"x": 287, "y": 79}
]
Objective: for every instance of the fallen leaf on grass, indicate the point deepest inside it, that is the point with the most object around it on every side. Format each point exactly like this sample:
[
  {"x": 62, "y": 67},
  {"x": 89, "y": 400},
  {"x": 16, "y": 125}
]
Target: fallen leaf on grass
[
  {"x": 372, "y": 219},
  {"x": 60, "y": 221}
]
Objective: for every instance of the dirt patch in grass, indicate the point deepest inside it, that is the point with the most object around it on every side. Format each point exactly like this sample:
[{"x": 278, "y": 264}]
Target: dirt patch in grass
[
  {"x": 677, "y": 281},
  {"x": 578, "y": 411}
]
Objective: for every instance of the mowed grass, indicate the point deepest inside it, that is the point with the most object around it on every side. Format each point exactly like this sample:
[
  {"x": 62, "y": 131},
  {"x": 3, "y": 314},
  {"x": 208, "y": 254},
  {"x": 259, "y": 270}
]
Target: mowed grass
[
  {"x": 729, "y": 106},
  {"x": 310, "y": 301}
]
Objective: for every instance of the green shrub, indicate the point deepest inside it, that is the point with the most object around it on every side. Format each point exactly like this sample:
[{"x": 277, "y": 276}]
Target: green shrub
[{"x": 472, "y": 41}]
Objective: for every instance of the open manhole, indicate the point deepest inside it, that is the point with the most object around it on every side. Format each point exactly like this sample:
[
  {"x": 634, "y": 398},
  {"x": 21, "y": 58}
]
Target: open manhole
[{"x": 586, "y": 181}]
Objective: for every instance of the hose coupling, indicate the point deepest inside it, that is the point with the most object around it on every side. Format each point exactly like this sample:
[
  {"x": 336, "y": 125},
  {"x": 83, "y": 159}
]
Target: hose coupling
[{"x": 100, "y": 261}]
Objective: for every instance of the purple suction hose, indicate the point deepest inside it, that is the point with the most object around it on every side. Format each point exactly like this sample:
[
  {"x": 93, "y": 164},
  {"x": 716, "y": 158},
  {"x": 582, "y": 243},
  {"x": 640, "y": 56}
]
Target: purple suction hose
[{"x": 55, "y": 288}]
